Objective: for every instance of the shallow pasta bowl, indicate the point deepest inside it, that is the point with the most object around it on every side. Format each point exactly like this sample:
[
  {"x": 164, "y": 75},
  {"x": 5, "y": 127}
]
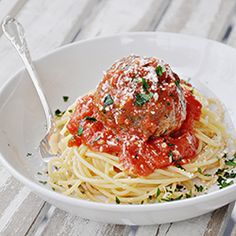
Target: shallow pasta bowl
[{"x": 74, "y": 70}]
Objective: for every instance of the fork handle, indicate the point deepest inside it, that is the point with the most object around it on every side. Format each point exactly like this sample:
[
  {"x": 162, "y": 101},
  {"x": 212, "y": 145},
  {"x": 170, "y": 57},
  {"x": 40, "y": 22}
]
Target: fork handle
[{"x": 15, "y": 33}]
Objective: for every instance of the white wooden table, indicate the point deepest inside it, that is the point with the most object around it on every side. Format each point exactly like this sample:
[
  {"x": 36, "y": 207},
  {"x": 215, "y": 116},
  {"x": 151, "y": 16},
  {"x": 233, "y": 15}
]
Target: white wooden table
[{"x": 50, "y": 24}]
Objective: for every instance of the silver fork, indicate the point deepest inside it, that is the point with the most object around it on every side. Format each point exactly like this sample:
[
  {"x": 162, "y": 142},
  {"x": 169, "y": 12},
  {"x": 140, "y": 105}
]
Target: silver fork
[{"x": 15, "y": 33}]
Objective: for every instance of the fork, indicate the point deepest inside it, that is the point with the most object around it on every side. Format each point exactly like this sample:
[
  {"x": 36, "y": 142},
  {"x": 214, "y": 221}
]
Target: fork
[{"x": 14, "y": 32}]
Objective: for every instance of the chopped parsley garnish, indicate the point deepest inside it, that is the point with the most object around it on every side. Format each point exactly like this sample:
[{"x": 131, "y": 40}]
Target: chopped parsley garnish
[
  {"x": 59, "y": 113},
  {"x": 188, "y": 195},
  {"x": 199, "y": 170},
  {"x": 145, "y": 85},
  {"x": 70, "y": 111},
  {"x": 108, "y": 101},
  {"x": 117, "y": 139},
  {"x": 96, "y": 139},
  {"x": 159, "y": 70},
  {"x": 170, "y": 154},
  {"x": 230, "y": 163},
  {"x": 142, "y": 202},
  {"x": 223, "y": 183},
  {"x": 177, "y": 83},
  {"x": 170, "y": 144},
  {"x": 198, "y": 188},
  {"x": 220, "y": 171},
  {"x": 39, "y": 173},
  {"x": 141, "y": 99},
  {"x": 42, "y": 182},
  {"x": 180, "y": 167},
  {"x": 172, "y": 199},
  {"x": 117, "y": 200},
  {"x": 168, "y": 103},
  {"x": 80, "y": 130},
  {"x": 229, "y": 175},
  {"x": 29, "y": 154},
  {"x": 93, "y": 119},
  {"x": 65, "y": 98},
  {"x": 179, "y": 187},
  {"x": 158, "y": 192},
  {"x": 53, "y": 189}
]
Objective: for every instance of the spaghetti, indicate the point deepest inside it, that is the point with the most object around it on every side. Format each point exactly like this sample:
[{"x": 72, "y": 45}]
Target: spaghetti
[{"x": 87, "y": 173}]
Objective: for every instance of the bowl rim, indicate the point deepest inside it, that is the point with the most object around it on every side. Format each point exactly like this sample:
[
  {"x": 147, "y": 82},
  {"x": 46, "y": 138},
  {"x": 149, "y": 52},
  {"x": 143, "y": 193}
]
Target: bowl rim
[{"x": 50, "y": 194}]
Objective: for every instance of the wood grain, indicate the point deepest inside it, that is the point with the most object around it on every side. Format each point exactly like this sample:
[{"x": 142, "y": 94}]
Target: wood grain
[{"x": 194, "y": 17}]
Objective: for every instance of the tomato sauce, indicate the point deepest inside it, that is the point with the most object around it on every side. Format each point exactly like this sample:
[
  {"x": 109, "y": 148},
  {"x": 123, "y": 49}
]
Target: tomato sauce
[{"x": 139, "y": 153}]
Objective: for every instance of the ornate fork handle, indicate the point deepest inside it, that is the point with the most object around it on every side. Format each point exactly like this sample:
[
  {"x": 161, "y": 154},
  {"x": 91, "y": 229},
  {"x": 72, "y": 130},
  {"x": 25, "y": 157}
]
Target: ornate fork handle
[{"x": 15, "y": 33}]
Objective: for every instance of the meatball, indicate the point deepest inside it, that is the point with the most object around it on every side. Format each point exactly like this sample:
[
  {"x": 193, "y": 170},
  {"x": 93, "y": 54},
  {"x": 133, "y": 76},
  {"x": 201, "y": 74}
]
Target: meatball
[{"x": 141, "y": 95}]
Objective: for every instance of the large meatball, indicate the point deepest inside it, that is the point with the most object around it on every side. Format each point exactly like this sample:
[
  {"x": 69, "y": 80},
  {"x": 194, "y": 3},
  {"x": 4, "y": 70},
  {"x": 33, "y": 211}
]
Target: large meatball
[{"x": 141, "y": 95}]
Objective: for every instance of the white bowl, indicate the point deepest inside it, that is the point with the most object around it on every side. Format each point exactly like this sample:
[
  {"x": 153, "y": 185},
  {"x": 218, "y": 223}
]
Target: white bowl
[{"x": 77, "y": 68}]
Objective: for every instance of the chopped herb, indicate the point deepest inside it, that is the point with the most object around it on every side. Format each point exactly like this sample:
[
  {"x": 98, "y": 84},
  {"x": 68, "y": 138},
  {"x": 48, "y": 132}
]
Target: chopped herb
[
  {"x": 65, "y": 98},
  {"x": 70, "y": 111},
  {"x": 142, "y": 202},
  {"x": 59, "y": 113},
  {"x": 172, "y": 199},
  {"x": 199, "y": 170},
  {"x": 29, "y": 154},
  {"x": 159, "y": 70},
  {"x": 145, "y": 85},
  {"x": 170, "y": 154},
  {"x": 223, "y": 183},
  {"x": 158, "y": 192},
  {"x": 166, "y": 199},
  {"x": 117, "y": 200},
  {"x": 117, "y": 140},
  {"x": 170, "y": 144},
  {"x": 80, "y": 130},
  {"x": 42, "y": 182},
  {"x": 198, "y": 188},
  {"x": 219, "y": 171},
  {"x": 230, "y": 163},
  {"x": 135, "y": 80},
  {"x": 177, "y": 83},
  {"x": 225, "y": 155},
  {"x": 207, "y": 175},
  {"x": 179, "y": 197},
  {"x": 53, "y": 189},
  {"x": 179, "y": 187},
  {"x": 141, "y": 99},
  {"x": 229, "y": 175},
  {"x": 188, "y": 195},
  {"x": 96, "y": 139},
  {"x": 168, "y": 103},
  {"x": 39, "y": 173},
  {"x": 180, "y": 167},
  {"x": 108, "y": 101},
  {"x": 93, "y": 119}
]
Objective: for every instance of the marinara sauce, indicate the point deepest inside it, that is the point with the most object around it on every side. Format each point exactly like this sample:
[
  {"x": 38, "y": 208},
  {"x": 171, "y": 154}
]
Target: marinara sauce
[{"x": 140, "y": 113}]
